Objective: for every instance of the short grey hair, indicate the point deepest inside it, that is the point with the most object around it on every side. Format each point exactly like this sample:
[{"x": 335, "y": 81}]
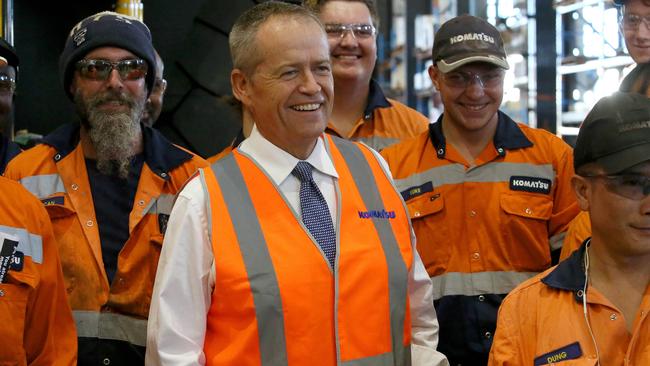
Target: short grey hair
[{"x": 244, "y": 53}]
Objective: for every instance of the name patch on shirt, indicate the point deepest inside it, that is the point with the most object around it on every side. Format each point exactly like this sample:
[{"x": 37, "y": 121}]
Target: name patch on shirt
[
  {"x": 383, "y": 214},
  {"x": 570, "y": 352},
  {"x": 417, "y": 191},
  {"x": 53, "y": 201},
  {"x": 530, "y": 184}
]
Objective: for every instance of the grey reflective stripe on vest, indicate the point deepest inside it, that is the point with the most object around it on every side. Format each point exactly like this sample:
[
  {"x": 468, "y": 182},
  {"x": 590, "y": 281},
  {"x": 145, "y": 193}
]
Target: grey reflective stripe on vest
[
  {"x": 397, "y": 272},
  {"x": 43, "y": 186},
  {"x": 387, "y": 359},
  {"x": 479, "y": 283},
  {"x": 491, "y": 172},
  {"x": 376, "y": 142},
  {"x": 257, "y": 260},
  {"x": 112, "y": 326},
  {"x": 161, "y": 205},
  {"x": 29, "y": 244}
]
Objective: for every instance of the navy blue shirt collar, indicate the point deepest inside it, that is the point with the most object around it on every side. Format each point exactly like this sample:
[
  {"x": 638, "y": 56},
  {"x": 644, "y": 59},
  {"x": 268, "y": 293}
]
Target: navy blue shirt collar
[
  {"x": 508, "y": 136},
  {"x": 569, "y": 275},
  {"x": 376, "y": 99},
  {"x": 160, "y": 155}
]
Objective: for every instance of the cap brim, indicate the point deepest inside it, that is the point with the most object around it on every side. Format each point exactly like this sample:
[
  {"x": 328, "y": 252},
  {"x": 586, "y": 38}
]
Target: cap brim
[
  {"x": 619, "y": 161},
  {"x": 447, "y": 67}
]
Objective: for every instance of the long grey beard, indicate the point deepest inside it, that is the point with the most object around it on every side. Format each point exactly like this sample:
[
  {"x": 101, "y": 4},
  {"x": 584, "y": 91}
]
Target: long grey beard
[{"x": 114, "y": 135}]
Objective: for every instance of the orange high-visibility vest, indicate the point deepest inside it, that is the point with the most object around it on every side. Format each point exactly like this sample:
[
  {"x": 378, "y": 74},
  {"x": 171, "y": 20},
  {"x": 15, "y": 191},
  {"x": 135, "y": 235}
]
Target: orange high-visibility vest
[{"x": 276, "y": 300}]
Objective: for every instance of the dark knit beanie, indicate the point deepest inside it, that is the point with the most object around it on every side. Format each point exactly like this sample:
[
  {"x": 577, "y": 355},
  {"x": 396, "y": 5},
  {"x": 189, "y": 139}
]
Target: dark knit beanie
[
  {"x": 8, "y": 52},
  {"x": 107, "y": 29}
]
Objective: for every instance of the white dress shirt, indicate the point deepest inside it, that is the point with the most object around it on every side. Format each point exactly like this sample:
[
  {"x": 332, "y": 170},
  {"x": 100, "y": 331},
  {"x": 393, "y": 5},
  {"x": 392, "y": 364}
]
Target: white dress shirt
[{"x": 185, "y": 278}]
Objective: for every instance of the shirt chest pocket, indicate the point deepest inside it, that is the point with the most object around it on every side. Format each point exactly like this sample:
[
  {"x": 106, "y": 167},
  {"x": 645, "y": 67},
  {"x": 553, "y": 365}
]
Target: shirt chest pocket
[
  {"x": 14, "y": 299},
  {"x": 428, "y": 214},
  {"x": 524, "y": 224}
]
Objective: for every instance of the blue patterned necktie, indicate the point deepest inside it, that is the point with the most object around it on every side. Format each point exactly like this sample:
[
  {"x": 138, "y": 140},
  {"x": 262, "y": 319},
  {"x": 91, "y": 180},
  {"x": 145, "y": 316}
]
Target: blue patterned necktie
[{"x": 315, "y": 214}]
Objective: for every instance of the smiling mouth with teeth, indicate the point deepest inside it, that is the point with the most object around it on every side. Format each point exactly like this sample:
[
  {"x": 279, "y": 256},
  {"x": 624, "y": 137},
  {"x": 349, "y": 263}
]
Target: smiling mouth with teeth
[{"x": 306, "y": 107}]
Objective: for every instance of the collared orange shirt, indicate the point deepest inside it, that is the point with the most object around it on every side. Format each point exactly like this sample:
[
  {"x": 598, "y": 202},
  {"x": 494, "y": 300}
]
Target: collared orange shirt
[{"x": 542, "y": 322}]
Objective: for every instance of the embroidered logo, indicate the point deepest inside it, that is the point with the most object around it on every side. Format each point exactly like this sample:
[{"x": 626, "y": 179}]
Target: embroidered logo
[
  {"x": 415, "y": 191},
  {"x": 530, "y": 184},
  {"x": 570, "y": 352},
  {"x": 383, "y": 214}
]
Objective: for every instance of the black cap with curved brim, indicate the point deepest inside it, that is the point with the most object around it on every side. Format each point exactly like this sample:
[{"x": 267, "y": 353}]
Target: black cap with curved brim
[
  {"x": 466, "y": 39},
  {"x": 615, "y": 134}
]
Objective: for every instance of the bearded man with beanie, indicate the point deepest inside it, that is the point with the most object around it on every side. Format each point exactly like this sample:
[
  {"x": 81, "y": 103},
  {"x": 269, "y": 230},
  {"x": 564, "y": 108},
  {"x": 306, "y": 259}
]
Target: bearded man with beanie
[{"x": 108, "y": 184}]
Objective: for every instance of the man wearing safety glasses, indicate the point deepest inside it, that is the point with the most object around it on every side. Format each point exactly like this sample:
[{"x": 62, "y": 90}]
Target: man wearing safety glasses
[
  {"x": 361, "y": 112},
  {"x": 634, "y": 24},
  {"x": 8, "y": 74},
  {"x": 489, "y": 198},
  {"x": 593, "y": 308},
  {"x": 108, "y": 184}
]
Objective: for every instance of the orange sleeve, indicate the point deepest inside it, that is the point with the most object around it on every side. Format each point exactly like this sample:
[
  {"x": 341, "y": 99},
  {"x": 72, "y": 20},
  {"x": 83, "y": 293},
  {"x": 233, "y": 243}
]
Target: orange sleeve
[
  {"x": 506, "y": 346},
  {"x": 579, "y": 230},
  {"x": 565, "y": 205},
  {"x": 50, "y": 335}
]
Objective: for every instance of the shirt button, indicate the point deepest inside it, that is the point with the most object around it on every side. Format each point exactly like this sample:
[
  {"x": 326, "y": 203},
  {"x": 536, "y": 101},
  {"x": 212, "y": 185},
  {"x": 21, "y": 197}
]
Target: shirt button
[
  {"x": 613, "y": 316},
  {"x": 488, "y": 335},
  {"x": 417, "y": 214},
  {"x": 529, "y": 211},
  {"x": 481, "y": 298},
  {"x": 476, "y": 256},
  {"x": 89, "y": 223},
  {"x": 74, "y": 187},
  {"x": 107, "y": 361},
  {"x": 141, "y": 202},
  {"x": 57, "y": 157},
  {"x": 472, "y": 213},
  {"x": 441, "y": 151},
  {"x": 164, "y": 175}
]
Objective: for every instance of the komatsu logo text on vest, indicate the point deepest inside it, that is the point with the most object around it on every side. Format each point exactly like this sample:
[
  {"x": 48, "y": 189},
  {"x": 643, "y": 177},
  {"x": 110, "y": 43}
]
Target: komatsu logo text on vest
[
  {"x": 471, "y": 37},
  {"x": 538, "y": 184}
]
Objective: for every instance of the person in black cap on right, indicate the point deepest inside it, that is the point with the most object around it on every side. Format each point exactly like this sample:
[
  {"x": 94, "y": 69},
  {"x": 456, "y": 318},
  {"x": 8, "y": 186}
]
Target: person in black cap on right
[
  {"x": 108, "y": 183},
  {"x": 489, "y": 198},
  {"x": 8, "y": 75},
  {"x": 594, "y": 307}
]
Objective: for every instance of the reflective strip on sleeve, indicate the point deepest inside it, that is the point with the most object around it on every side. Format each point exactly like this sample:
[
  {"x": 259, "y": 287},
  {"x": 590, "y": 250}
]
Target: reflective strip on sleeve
[
  {"x": 387, "y": 359},
  {"x": 479, "y": 283},
  {"x": 43, "y": 186},
  {"x": 397, "y": 271},
  {"x": 376, "y": 142},
  {"x": 491, "y": 172},
  {"x": 161, "y": 205},
  {"x": 257, "y": 260},
  {"x": 29, "y": 244},
  {"x": 112, "y": 326},
  {"x": 557, "y": 241}
]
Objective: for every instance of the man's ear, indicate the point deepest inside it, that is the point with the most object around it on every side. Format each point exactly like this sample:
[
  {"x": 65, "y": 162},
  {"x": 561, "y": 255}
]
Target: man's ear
[
  {"x": 433, "y": 74},
  {"x": 582, "y": 188},
  {"x": 240, "y": 84}
]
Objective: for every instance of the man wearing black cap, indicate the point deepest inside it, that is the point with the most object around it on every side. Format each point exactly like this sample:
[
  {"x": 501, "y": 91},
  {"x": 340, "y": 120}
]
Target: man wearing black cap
[
  {"x": 8, "y": 74},
  {"x": 489, "y": 198},
  {"x": 594, "y": 307},
  {"x": 108, "y": 184}
]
